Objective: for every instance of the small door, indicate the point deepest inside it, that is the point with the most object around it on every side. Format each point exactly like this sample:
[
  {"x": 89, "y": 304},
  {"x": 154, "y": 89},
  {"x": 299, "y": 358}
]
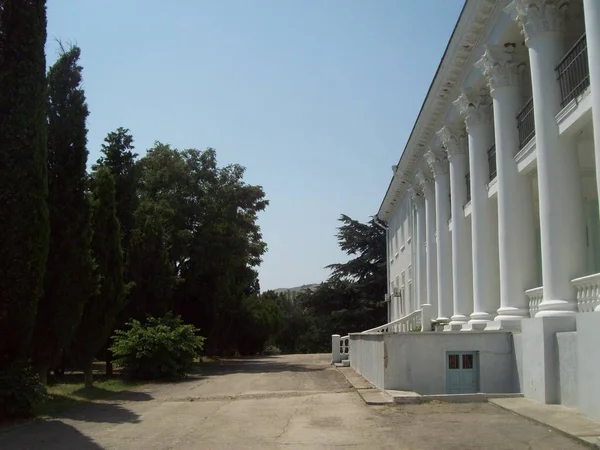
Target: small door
[{"x": 462, "y": 372}]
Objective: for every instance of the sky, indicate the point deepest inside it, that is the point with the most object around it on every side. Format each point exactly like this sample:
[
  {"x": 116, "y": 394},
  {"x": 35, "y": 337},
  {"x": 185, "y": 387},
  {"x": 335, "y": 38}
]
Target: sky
[{"x": 316, "y": 98}]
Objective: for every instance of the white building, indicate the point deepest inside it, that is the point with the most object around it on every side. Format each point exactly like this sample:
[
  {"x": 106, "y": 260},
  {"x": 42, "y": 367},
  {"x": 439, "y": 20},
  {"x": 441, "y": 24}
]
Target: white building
[{"x": 492, "y": 214}]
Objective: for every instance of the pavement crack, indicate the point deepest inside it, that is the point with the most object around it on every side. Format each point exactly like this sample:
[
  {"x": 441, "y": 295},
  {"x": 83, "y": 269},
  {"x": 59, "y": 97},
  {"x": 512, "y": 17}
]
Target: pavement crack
[{"x": 287, "y": 424}]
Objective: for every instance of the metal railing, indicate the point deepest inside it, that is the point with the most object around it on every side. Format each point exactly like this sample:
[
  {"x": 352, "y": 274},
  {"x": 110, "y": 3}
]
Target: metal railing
[
  {"x": 468, "y": 181},
  {"x": 526, "y": 123},
  {"x": 492, "y": 161},
  {"x": 573, "y": 72}
]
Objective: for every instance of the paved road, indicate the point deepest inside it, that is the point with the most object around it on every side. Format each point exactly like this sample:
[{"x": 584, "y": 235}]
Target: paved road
[{"x": 291, "y": 402}]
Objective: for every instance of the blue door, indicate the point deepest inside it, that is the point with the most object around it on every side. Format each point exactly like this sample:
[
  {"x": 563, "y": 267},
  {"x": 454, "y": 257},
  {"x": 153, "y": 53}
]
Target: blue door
[{"x": 462, "y": 372}]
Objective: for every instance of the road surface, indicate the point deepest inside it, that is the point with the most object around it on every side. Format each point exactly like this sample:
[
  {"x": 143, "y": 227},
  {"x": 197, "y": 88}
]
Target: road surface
[{"x": 279, "y": 402}]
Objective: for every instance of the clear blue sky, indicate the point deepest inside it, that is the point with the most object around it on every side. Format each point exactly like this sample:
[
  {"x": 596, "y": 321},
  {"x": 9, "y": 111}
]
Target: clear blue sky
[{"x": 316, "y": 98}]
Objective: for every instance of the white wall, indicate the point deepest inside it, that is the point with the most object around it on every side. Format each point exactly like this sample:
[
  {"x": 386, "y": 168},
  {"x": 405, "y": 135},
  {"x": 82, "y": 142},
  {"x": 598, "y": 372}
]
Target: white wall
[
  {"x": 588, "y": 363},
  {"x": 567, "y": 368},
  {"x": 367, "y": 356},
  {"x": 417, "y": 361},
  {"x": 400, "y": 258}
]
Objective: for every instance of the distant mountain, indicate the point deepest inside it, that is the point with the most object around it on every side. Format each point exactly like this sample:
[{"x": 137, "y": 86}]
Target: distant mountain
[{"x": 296, "y": 289}]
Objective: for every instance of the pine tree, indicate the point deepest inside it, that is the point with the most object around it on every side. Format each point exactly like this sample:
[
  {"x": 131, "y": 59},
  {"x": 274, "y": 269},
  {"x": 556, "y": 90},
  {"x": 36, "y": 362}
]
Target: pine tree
[
  {"x": 23, "y": 178},
  {"x": 101, "y": 310},
  {"x": 68, "y": 282}
]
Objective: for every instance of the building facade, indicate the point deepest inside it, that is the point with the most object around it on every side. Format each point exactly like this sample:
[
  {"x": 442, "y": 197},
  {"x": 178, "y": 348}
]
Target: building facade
[{"x": 492, "y": 212}]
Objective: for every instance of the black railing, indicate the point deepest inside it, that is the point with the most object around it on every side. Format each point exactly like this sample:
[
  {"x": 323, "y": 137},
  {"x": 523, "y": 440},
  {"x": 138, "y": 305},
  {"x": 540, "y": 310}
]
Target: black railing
[
  {"x": 574, "y": 72},
  {"x": 468, "y": 181},
  {"x": 526, "y": 124},
  {"x": 492, "y": 161}
]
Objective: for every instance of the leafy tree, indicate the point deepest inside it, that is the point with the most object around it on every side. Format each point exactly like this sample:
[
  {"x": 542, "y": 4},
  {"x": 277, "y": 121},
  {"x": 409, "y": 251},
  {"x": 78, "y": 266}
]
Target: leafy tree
[
  {"x": 23, "y": 180},
  {"x": 351, "y": 299},
  {"x": 68, "y": 282},
  {"x": 152, "y": 274},
  {"x": 213, "y": 240},
  {"x": 101, "y": 310},
  {"x": 119, "y": 158},
  {"x": 158, "y": 349},
  {"x": 263, "y": 320}
]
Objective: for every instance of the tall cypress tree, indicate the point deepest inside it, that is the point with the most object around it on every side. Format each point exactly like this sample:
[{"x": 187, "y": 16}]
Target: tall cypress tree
[
  {"x": 119, "y": 158},
  {"x": 101, "y": 310},
  {"x": 23, "y": 178},
  {"x": 68, "y": 282}
]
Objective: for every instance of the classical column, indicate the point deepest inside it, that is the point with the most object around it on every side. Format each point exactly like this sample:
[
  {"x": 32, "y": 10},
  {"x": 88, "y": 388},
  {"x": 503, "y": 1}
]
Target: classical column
[
  {"x": 476, "y": 109},
  {"x": 420, "y": 267},
  {"x": 454, "y": 141},
  {"x": 591, "y": 10},
  {"x": 438, "y": 163},
  {"x": 428, "y": 188},
  {"x": 516, "y": 222},
  {"x": 562, "y": 222}
]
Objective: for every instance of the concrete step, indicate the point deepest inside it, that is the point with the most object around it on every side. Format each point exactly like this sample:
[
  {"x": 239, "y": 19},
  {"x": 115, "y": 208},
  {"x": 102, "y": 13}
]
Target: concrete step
[{"x": 346, "y": 363}]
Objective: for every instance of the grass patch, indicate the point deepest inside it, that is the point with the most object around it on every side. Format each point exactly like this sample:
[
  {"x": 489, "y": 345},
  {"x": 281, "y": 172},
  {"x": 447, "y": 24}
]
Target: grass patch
[{"x": 69, "y": 392}]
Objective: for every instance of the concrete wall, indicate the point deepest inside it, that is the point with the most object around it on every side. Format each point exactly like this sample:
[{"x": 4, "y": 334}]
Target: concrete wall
[
  {"x": 541, "y": 366},
  {"x": 417, "y": 361},
  {"x": 518, "y": 360},
  {"x": 367, "y": 356},
  {"x": 588, "y": 363},
  {"x": 567, "y": 362}
]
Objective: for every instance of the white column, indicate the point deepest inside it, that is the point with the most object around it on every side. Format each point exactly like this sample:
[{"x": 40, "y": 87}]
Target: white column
[
  {"x": 516, "y": 222},
  {"x": 476, "y": 109},
  {"x": 427, "y": 187},
  {"x": 438, "y": 162},
  {"x": 591, "y": 9},
  {"x": 462, "y": 263},
  {"x": 562, "y": 222},
  {"x": 420, "y": 266}
]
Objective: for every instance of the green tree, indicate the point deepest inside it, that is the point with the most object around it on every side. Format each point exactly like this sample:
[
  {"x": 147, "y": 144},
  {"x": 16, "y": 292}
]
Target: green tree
[
  {"x": 101, "y": 310},
  {"x": 352, "y": 298},
  {"x": 23, "y": 180},
  {"x": 152, "y": 274},
  {"x": 119, "y": 158},
  {"x": 68, "y": 282}
]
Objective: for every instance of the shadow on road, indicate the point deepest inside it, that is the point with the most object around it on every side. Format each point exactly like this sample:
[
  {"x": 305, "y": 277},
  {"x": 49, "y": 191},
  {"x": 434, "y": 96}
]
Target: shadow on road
[
  {"x": 99, "y": 412},
  {"x": 255, "y": 364},
  {"x": 47, "y": 434}
]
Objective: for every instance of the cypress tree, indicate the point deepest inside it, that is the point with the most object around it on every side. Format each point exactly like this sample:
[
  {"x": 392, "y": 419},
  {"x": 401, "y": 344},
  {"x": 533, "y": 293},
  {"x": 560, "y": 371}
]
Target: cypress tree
[
  {"x": 100, "y": 311},
  {"x": 68, "y": 281},
  {"x": 23, "y": 179}
]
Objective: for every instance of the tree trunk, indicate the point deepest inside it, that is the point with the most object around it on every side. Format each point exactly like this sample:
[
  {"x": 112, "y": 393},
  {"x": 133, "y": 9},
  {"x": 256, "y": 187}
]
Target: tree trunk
[
  {"x": 88, "y": 375},
  {"x": 43, "y": 374},
  {"x": 109, "y": 366}
]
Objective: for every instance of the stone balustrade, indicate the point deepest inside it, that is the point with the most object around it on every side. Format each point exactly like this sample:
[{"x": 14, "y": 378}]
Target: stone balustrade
[
  {"x": 588, "y": 293},
  {"x": 536, "y": 296}
]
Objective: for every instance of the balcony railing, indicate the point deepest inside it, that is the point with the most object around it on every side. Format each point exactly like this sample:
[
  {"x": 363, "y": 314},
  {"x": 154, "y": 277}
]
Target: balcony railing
[
  {"x": 574, "y": 72},
  {"x": 492, "y": 162},
  {"x": 526, "y": 124},
  {"x": 588, "y": 292},
  {"x": 468, "y": 181},
  {"x": 536, "y": 296}
]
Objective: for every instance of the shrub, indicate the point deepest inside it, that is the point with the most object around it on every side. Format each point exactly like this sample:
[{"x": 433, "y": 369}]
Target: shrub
[
  {"x": 20, "y": 390},
  {"x": 159, "y": 349}
]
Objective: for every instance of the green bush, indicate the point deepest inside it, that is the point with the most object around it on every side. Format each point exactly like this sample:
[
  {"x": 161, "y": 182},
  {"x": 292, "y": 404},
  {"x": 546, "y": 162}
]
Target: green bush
[
  {"x": 159, "y": 349},
  {"x": 20, "y": 390}
]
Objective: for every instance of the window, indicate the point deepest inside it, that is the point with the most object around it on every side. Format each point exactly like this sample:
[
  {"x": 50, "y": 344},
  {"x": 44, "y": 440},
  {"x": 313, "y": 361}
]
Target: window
[
  {"x": 467, "y": 361},
  {"x": 453, "y": 362}
]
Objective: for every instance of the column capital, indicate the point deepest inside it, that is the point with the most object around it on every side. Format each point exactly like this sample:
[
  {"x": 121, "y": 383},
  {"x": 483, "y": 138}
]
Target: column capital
[
  {"x": 425, "y": 183},
  {"x": 501, "y": 66},
  {"x": 416, "y": 195},
  {"x": 539, "y": 16},
  {"x": 475, "y": 108},
  {"x": 437, "y": 160},
  {"x": 454, "y": 140}
]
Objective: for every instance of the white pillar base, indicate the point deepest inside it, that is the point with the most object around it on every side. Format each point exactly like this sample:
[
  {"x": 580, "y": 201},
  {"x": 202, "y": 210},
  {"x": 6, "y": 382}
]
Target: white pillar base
[{"x": 505, "y": 323}]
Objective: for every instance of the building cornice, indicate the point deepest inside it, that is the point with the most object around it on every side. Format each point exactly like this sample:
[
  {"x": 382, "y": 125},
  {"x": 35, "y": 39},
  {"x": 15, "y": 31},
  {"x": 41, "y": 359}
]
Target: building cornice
[{"x": 472, "y": 23}]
